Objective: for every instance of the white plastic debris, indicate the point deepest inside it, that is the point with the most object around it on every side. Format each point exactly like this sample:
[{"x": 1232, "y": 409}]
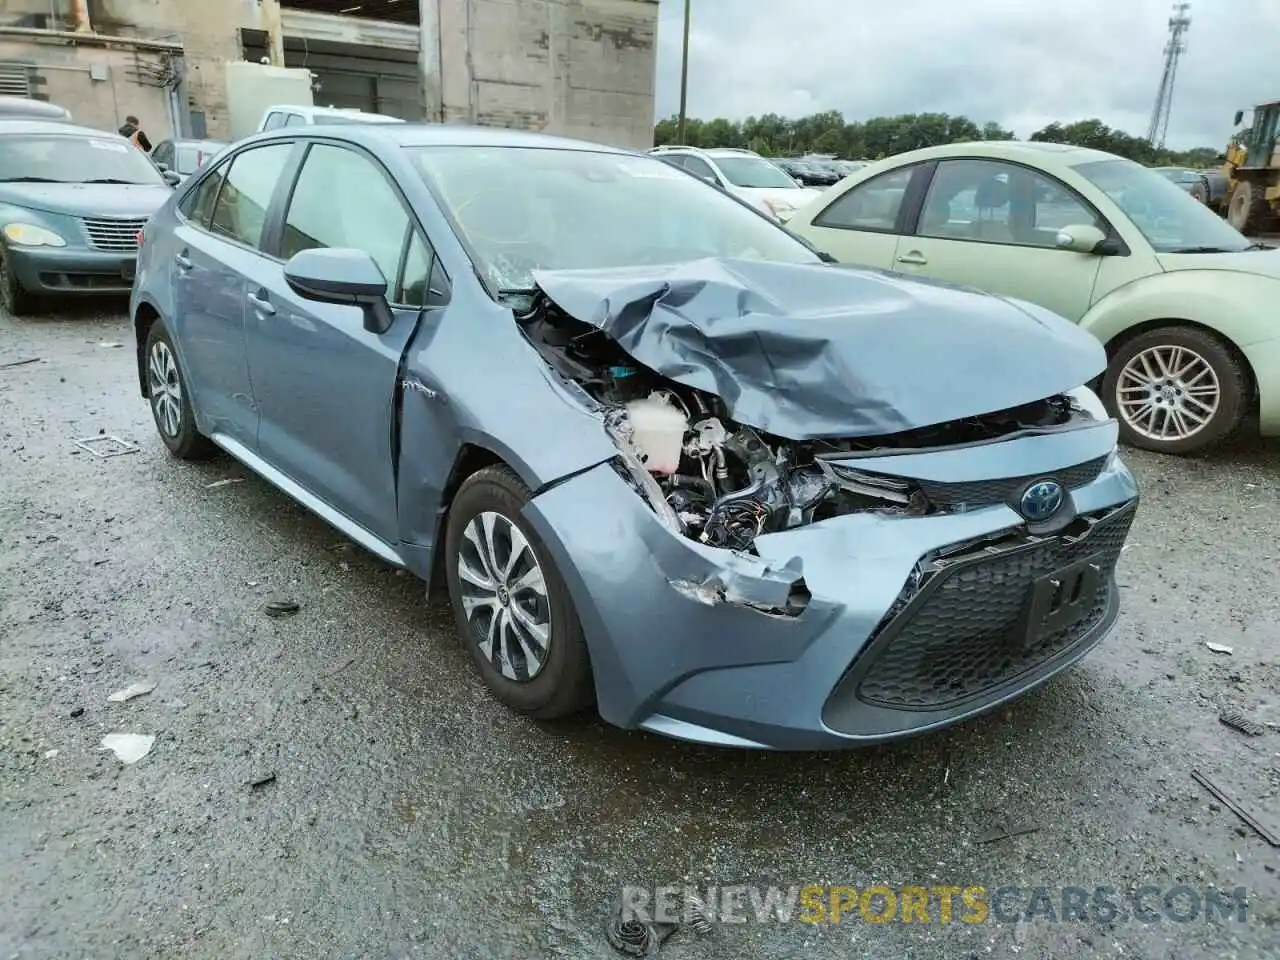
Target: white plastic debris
[
  {"x": 223, "y": 483},
  {"x": 131, "y": 691},
  {"x": 128, "y": 747},
  {"x": 50, "y": 754},
  {"x": 1217, "y": 647}
]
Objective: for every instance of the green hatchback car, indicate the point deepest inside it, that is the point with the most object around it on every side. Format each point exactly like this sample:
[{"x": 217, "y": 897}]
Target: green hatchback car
[{"x": 1187, "y": 307}]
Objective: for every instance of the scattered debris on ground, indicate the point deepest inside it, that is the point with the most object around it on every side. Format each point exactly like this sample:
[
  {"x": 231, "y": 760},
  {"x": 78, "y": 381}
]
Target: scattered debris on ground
[
  {"x": 18, "y": 363},
  {"x": 77, "y": 711},
  {"x": 106, "y": 445},
  {"x": 1217, "y": 647},
  {"x": 223, "y": 483},
  {"x": 131, "y": 691},
  {"x": 257, "y": 783},
  {"x": 1238, "y": 721},
  {"x": 1007, "y": 831},
  {"x": 1237, "y": 808},
  {"x": 128, "y": 747},
  {"x": 282, "y": 608}
]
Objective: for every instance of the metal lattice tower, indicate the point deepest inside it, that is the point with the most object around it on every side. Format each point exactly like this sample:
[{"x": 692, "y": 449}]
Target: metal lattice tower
[{"x": 1179, "y": 23}]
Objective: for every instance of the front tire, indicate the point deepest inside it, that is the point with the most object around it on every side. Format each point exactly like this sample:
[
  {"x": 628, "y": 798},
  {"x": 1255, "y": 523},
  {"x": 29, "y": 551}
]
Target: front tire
[
  {"x": 513, "y": 610},
  {"x": 1247, "y": 208},
  {"x": 171, "y": 399},
  {"x": 14, "y": 298},
  {"x": 1176, "y": 389}
]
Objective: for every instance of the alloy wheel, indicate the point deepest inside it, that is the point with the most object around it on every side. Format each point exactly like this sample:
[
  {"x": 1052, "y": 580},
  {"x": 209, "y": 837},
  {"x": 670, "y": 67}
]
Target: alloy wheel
[
  {"x": 504, "y": 596},
  {"x": 166, "y": 389},
  {"x": 1167, "y": 393}
]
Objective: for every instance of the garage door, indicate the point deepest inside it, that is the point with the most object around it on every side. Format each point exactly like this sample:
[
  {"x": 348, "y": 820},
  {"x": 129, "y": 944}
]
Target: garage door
[{"x": 374, "y": 79}]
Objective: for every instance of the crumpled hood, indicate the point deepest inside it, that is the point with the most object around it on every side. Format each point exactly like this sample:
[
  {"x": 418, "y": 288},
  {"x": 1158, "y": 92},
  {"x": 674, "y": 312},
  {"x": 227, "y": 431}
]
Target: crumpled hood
[
  {"x": 806, "y": 351},
  {"x": 88, "y": 199}
]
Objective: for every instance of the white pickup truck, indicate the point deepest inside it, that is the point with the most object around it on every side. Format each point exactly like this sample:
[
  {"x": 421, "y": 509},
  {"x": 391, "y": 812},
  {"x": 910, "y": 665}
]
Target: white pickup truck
[{"x": 293, "y": 115}]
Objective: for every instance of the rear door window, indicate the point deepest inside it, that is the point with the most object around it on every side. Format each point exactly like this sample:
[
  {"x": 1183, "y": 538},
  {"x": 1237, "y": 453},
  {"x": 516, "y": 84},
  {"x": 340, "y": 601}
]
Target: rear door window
[
  {"x": 240, "y": 212},
  {"x": 197, "y": 206}
]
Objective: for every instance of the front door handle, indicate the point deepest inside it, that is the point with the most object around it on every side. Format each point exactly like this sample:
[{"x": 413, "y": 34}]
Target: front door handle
[
  {"x": 913, "y": 257},
  {"x": 261, "y": 303},
  {"x": 183, "y": 261}
]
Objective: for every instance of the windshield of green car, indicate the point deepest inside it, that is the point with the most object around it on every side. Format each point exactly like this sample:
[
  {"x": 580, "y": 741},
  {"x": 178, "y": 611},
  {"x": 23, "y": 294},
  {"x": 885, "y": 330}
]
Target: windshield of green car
[
  {"x": 520, "y": 209},
  {"x": 36, "y": 158},
  {"x": 1170, "y": 219},
  {"x": 754, "y": 172}
]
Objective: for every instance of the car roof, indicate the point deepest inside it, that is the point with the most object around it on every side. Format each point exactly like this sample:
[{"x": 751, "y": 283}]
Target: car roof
[
  {"x": 312, "y": 110},
  {"x": 27, "y": 107},
  {"x": 440, "y": 135},
  {"x": 14, "y": 127},
  {"x": 197, "y": 142},
  {"x": 1033, "y": 152}
]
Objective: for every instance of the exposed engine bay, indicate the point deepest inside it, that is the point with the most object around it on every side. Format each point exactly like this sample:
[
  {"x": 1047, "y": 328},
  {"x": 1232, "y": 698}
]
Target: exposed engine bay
[{"x": 725, "y": 483}]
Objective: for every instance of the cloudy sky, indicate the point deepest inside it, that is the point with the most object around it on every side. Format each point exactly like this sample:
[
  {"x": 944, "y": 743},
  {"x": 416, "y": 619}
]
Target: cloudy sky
[{"x": 1023, "y": 63}]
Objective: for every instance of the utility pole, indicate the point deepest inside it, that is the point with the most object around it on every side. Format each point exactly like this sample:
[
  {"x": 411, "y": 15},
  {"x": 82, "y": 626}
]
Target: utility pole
[{"x": 684, "y": 73}]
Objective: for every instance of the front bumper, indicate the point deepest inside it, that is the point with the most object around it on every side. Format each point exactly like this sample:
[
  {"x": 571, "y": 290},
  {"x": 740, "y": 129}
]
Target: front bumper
[
  {"x": 57, "y": 270},
  {"x": 1264, "y": 360},
  {"x": 911, "y": 624}
]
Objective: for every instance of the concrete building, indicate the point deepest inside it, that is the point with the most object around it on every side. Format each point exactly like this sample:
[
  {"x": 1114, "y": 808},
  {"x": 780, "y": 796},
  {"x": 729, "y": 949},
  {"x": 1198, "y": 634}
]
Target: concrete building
[{"x": 581, "y": 68}]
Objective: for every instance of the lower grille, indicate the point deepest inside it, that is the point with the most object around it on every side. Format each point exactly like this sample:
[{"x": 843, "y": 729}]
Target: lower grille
[
  {"x": 114, "y": 236},
  {"x": 973, "y": 625}
]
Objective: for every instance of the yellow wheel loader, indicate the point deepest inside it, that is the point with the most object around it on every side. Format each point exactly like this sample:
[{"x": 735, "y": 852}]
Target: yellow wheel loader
[{"x": 1253, "y": 170}]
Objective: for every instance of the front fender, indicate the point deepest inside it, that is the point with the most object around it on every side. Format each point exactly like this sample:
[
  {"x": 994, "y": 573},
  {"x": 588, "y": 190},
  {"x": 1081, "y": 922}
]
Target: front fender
[{"x": 1242, "y": 307}]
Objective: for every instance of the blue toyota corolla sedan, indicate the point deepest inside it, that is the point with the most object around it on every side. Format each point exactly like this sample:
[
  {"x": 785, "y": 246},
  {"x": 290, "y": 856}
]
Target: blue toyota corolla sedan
[{"x": 665, "y": 459}]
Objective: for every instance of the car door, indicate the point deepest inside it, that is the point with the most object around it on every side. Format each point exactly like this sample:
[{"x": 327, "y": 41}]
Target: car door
[
  {"x": 861, "y": 225},
  {"x": 326, "y": 386},
  {"x": 993, "y": 225},
  {"x": 220, "y": 226}
]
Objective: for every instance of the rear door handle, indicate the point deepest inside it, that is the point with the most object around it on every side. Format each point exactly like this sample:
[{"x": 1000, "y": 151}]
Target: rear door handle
[
  {"x": 261, "y": 304},
  {"x": 183, "y": 261},
  {"x": 913, "y": 257}
]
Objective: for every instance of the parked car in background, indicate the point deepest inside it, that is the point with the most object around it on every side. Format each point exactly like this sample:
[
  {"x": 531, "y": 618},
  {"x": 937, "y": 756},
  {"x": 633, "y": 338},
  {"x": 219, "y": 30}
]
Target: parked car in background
[
  {"x": 185, "y": 157},
  {"x": 1219, "y": 186},
  {"x": 24, "y": 108},
  {"x": 809, "y": 174},
  {"x": 848, "y": 167},
  {"x": 73, "y": 202},
  {"x": 1192, "y": 181},
  {"x": 720, "y": 489},
  {"x": 1184, "y": 304},
  {"x": 288, "y": 115},
  {"x": 743, "y": 173}
]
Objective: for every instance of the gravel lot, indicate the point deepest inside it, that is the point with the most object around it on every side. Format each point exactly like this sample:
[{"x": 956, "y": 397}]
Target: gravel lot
[{"x": 411, "y": 815}]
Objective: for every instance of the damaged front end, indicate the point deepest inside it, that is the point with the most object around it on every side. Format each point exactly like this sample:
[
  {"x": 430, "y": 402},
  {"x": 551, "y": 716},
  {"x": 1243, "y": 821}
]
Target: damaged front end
[
  {"x": 854, "y": 508},
  {"x": 803, "y": 408}
]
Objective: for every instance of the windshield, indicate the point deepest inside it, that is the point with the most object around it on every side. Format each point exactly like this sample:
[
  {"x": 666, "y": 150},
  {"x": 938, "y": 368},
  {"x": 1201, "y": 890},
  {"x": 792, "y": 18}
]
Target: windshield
[
  {"x": 62, "y": 159},
  {"x": 754, "y": 172},
  {"x": 523, "y": 208},
  {"x": 1168, "y": 216}
]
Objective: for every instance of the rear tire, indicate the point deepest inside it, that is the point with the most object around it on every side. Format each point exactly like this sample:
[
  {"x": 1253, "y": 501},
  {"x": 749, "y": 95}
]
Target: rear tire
[
  {"x": 170, "y": 399},
  {"x": 514, "y": 613},
  {"x": 1176, "y": 389},
  {"x": 14, "y": 298}
]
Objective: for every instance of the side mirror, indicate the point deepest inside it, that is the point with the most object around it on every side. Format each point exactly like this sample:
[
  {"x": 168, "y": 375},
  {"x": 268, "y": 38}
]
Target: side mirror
[
  {"x": 342, "y": 276},
  {"x": 1239, "y": 117},
  {"x": 1080, "y": 238},
  {"x": 171, "y": 178}
]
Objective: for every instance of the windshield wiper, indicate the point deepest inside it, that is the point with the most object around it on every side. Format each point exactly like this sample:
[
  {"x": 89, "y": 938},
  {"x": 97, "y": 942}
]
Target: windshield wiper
[
  {"x": 1259, "y": 245},
  {"x": 133, "y": 183},
  {"x": 1202, "y": 250},
  {"x": 31, "y": 180}
]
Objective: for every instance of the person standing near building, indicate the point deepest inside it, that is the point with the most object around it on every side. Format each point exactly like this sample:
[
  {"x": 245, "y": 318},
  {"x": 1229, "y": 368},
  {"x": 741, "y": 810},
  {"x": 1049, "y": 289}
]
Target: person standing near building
[{"x": 132, "y": 129}]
